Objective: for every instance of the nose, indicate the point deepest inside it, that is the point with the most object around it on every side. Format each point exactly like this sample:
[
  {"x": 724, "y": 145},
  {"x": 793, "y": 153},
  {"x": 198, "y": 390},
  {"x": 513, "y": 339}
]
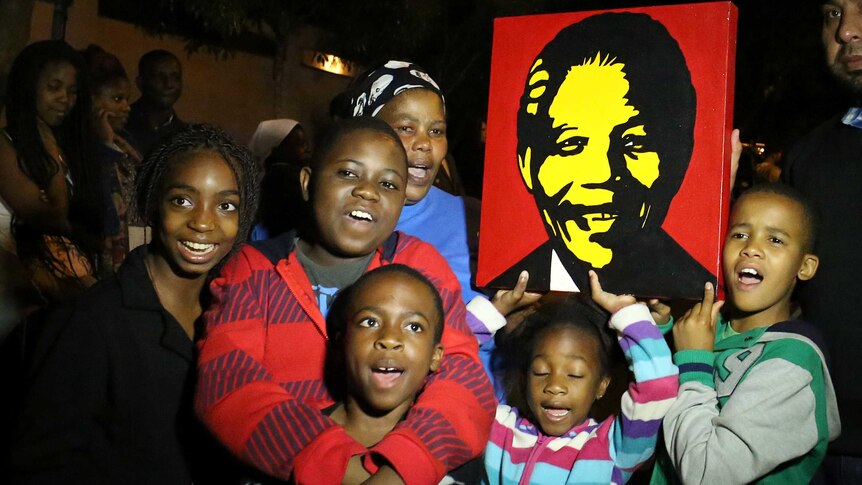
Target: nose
[
  {"x": 601, "y": 169},
  {"x": 751, "y": 249},
  {"x": 388, "y": 340},
  {"x": 555, "y": 386},
  {"x": 850, "y": 28},
  {"x": 421, "y": 141},
  {"x": 366, "y": 190},
  {"x": 202, "y": 220}
]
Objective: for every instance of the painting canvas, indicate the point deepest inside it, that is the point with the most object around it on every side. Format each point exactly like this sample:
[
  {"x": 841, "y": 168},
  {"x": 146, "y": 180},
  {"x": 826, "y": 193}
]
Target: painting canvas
[{"x": 608, "y": 149}]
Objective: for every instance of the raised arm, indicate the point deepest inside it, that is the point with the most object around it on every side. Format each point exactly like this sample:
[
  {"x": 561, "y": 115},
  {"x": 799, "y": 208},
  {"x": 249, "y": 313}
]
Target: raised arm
[{"x": 635, "y": 431}]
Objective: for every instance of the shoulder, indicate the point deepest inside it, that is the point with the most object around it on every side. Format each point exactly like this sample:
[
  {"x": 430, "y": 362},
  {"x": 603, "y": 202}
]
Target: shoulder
[
  {"x": 805, "y": 149},
  {"x": 257, "y": 256},
  {"x": 412, "y": 251},
  {"x": 797, "y": 341}
]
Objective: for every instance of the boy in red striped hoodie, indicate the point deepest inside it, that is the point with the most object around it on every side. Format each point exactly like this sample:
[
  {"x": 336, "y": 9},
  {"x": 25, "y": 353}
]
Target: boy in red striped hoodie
[{"x": 261, "y": 364}]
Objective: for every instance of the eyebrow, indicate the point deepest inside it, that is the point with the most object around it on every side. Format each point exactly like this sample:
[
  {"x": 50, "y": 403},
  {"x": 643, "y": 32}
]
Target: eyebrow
[
  {"x": 194, "y": 189},
  {"x": 377, "y": 309},
  {"x": 570, "y": 356},
  {"x": 359, "y": 162}
]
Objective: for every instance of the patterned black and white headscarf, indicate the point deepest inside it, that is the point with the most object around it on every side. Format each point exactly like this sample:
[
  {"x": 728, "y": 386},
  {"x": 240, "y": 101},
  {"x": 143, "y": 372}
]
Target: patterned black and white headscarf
[{"x": 379, "y": 86}]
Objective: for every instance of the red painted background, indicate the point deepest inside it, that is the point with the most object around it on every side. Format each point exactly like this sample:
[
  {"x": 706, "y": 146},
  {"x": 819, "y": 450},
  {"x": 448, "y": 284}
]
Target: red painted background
[{"x": 510, "y": 224}]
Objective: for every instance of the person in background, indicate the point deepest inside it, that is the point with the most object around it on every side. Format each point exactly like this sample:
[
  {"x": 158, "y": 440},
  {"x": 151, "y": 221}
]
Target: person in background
[
  {"x": 824, "y": 166},
  {"x": 51, "y": 212},
  {"x": 282, "y": 147},
  {"x": 160, "y": 80},
  {"x": 113, "y": 150}
]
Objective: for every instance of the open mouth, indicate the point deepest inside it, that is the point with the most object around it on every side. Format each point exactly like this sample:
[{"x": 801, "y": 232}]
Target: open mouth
[
  {"x": 749, "y": 276},
  {"x": 386, "y": 377},
  {"x": 556, "y": 413},
  {"x": 418, "y": 171},
  {"x": 198, "y": 248},
  {"x": 361, "y": 215}
]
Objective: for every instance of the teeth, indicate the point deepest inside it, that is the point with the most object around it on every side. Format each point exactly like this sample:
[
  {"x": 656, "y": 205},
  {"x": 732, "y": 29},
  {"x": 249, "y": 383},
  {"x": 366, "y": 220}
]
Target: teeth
[
  {"x": 557, "y": 413},
  {"x": 749, "y": 271},
  {"x": 361, "y": 215},
  {"x": 387, "y": 369},
  {"x": 198, "y": 247}
]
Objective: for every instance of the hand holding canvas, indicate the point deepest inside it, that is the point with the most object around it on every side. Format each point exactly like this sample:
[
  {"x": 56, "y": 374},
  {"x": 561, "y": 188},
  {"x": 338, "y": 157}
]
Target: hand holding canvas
[{"x": 696, "y": 329}]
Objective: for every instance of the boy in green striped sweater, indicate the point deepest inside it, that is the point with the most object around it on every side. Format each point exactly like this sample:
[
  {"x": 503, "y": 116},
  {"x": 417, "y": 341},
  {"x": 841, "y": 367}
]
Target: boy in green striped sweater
[{"x": 755, "y": 403}]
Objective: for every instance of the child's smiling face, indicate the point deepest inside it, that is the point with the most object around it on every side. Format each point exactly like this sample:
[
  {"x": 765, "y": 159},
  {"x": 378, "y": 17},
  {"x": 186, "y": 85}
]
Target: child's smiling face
[
  {"x": 564, "y": 380},
  {"x": 356, "y": 194},
  {"x": 198, "y": 212},
  {"x": 389, "y": 342},
  {"x": 764, "y": 254}
]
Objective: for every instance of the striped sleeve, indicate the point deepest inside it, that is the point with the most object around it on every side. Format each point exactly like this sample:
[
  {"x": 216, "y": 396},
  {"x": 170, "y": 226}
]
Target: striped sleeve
[
  {"x": 256, "y": 417},
  {"x": 648, "y": 398}
]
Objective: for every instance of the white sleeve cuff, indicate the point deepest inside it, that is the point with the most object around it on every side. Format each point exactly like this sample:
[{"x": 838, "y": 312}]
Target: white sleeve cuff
[{"x": 485, "y": 312}]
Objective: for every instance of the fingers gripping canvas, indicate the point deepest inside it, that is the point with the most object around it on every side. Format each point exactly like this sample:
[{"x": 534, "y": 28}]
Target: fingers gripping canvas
[{"x": 608, "y": 149}]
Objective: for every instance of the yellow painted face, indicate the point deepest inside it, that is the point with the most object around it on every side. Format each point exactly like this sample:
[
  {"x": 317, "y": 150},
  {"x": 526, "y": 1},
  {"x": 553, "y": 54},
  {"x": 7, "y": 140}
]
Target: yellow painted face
[{"x": 600, "y": 162}]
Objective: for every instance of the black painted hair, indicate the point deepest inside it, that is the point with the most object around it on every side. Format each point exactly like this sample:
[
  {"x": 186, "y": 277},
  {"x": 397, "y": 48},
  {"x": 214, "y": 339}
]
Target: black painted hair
[
  {"x": 344, "y": 127},
  {"x": 369, "y": 278},
  {"x": 148, "y": 60},
  {"x": 810, "y": 216},
  {"x": 103, "y": 68},
  {"x": 576, "y": 311},
  {"x": 199, "y": 138},
  {"x": 660, "y": 88}
]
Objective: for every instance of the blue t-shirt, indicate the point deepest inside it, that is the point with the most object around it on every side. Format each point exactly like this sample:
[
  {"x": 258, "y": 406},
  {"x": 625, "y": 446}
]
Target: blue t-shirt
[{"x": 439, "y": 220}]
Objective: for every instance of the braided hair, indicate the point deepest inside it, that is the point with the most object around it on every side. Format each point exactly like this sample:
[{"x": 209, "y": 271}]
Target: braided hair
[{"x": 191, "y": 139}]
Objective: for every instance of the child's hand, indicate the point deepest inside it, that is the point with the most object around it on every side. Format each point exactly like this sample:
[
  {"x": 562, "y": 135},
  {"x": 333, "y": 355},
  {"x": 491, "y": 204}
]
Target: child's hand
[
  {"x": 608, "y": 301},
  {"x": 696, "y": 329},
  {"x": 659, "y": 310},
  {"x": 507, "y": 301},
  {"x": 735, "y": 153}
]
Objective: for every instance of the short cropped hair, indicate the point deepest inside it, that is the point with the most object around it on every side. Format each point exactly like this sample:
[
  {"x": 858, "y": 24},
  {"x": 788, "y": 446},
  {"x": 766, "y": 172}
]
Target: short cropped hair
[
  {"x": 810, "y": 216},
  {"x": 344, "y": 127},
  {"x": 369, "y": 277},
  {"x": 148, "y": 60}
]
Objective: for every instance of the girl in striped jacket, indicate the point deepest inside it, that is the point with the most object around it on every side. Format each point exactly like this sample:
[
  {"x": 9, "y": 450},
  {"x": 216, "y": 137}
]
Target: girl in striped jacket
[{"x": 557, "y": 372}]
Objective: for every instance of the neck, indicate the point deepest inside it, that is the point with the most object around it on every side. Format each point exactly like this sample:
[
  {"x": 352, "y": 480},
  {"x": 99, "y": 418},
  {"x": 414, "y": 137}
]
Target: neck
[
  {"x": 743, "y": 322},
  {"x": 157, "y": 116},
  {"x": 178, "y": 294},
  {"x": 322, "y": 256},
  {"x": 366, "y": 428},
  {"x": 45, "y": 131}
]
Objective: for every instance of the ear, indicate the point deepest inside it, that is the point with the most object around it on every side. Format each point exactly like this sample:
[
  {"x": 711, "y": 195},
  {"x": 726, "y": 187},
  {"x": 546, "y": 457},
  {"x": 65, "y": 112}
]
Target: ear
[
  {"x": 304, "y": 181},
  {"x": 603, "y": 387},
  {"x": 524, "y": 161},
  {"x": 808, "y": 268},
  {"x": 436, "y": 357}
]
